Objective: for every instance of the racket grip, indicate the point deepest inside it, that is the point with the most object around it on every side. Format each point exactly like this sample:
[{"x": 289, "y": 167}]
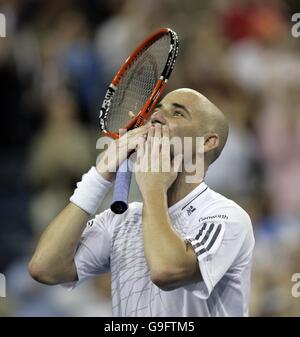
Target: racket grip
[{"x": 119, "y": 202}]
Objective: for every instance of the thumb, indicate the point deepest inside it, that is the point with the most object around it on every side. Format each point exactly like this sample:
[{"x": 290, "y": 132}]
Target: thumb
[{"x": 131, "y": 114}]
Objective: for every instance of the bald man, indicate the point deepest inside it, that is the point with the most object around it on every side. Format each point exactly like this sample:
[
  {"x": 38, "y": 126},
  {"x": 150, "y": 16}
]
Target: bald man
[{"x": 185, "y": 251}]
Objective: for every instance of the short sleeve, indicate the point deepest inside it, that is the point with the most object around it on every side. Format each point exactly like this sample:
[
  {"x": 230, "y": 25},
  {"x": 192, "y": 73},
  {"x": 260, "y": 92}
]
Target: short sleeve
[
  {"x": 93, "y": 253},
  {"x": 217, "y": 243}
]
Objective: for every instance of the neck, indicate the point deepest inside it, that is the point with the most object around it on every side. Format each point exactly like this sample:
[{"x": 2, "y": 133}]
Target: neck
[{"x": 181, "y": 187}]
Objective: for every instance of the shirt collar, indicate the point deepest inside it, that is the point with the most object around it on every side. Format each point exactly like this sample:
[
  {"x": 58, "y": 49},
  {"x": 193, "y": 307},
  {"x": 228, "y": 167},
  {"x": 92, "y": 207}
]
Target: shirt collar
[{"x": 184, "y": 203}]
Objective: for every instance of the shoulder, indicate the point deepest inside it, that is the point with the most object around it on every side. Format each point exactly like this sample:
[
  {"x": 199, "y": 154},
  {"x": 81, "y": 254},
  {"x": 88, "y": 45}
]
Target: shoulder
[{"x": 216, "y": 208}]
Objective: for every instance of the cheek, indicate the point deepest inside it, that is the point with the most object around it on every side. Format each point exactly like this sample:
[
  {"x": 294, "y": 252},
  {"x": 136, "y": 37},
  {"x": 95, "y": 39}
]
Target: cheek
[
  {"x": 183, "y": 130},
  {"x": 178, "y": 130}
]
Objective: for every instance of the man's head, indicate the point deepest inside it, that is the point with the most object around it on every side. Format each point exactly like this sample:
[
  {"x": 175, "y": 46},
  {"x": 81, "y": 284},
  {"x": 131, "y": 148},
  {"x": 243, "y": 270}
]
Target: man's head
[{"x": 187, "y": 113}]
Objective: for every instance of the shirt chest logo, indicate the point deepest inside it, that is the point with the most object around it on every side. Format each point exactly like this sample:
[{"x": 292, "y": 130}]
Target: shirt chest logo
[{"x": 190, "y": 210}]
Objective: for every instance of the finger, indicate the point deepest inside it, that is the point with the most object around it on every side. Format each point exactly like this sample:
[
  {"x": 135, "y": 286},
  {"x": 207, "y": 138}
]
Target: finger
[
  {"x": 158, "y": 130},
  {"x": 150, "y": 134},
  {"x": 140, "y": 147},
  {"x": 166, "y": 151},
  {"x": 140, "y": 144},
  {"x": 130, "y": 138},
  {"x": 146, "y": 158},
  {"x": 155, "y": 143},
  {"x": 165, "y": 132},
  {"x": 149, "y": 143},
  {"x": 138, "y": 131},
  {"x": 131, "y": 114},
  {"x": 157, "y": 137}
]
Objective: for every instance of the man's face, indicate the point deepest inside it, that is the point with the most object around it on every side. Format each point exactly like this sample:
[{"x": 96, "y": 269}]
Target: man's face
[{"x": 180, "y": 111}]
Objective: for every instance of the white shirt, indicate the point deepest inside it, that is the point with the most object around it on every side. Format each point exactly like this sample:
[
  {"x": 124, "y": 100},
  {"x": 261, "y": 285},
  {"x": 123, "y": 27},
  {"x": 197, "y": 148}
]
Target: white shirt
[{"x": 218, "y": 229}]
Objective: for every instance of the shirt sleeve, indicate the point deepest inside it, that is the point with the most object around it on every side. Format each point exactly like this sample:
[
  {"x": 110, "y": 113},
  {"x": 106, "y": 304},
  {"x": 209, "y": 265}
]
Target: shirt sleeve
[
  {"x": 217, "y": 243},
  {"x": 93, "y": 253}
]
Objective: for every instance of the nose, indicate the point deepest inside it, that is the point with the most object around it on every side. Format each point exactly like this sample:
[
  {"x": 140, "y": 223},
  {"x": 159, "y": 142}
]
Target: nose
[{"x": 158, "y": 117}]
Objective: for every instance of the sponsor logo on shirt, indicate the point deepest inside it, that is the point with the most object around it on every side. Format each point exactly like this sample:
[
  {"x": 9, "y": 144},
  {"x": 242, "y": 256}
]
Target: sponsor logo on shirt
[{"x": 213, "y": 217}]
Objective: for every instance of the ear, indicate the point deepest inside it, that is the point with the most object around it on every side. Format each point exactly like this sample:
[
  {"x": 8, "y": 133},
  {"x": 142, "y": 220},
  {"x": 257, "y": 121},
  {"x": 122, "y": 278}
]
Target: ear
[{"x": 211, "y": 142}]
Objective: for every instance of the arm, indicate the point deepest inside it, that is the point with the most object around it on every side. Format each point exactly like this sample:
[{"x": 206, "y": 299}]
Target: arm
[
  {"x": 172, "y": 262},
  {"x": 53, "y": 260}
]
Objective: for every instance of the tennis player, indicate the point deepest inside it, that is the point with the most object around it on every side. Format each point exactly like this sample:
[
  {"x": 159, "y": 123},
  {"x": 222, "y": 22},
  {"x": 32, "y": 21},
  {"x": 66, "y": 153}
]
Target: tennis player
[{"x": 185, "y": 251}]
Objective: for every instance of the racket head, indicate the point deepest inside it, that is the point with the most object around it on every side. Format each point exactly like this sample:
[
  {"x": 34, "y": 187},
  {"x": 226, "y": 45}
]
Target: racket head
[{"x": 139, "y": 83}]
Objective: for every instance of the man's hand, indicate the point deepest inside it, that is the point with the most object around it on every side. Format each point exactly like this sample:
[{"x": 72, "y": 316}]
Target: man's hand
[
  {"x": 154, "y": 168},
  {"x": 171, "y": 262},
  {"x": 118, "y": 151}
]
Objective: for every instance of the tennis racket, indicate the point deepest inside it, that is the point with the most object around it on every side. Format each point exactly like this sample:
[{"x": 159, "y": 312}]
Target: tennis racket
[{"x": 136, "y": 87}]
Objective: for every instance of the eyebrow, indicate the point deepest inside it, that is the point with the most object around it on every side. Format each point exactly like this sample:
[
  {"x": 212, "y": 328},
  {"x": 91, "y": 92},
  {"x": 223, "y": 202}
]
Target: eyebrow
[{"x": 176, "y": 105}]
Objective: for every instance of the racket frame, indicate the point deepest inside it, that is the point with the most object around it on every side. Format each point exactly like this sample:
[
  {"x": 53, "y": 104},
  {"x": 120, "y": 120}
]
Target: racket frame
[
  {"x": 144, "y": 113},
  {"x": 121, "y": 191}
]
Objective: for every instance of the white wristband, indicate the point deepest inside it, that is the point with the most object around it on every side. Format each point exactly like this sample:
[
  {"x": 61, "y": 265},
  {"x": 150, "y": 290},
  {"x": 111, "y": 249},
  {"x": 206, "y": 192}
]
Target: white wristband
[{"x": 90, "y": 191}]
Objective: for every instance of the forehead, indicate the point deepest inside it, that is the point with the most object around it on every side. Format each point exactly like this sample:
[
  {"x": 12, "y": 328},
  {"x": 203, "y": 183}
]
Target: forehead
[{"x": 189, "y": 99}]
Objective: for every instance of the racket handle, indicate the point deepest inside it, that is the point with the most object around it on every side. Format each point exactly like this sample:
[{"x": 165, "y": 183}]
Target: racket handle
[{"x": 119, "y": 202}]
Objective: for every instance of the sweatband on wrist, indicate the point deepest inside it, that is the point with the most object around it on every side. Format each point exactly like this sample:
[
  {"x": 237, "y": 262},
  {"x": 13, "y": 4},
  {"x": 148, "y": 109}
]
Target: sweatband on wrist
[{"x": 90, "y": 191}]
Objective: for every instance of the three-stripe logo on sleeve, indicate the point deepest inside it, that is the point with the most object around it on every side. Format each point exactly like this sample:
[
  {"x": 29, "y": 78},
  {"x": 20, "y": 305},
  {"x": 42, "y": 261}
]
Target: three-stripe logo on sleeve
[{"x": 208, "y": 239}]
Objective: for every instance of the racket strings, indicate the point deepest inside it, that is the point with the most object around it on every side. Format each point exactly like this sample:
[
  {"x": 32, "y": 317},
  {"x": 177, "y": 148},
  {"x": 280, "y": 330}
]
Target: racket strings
[{"x": 138, "y": 82}]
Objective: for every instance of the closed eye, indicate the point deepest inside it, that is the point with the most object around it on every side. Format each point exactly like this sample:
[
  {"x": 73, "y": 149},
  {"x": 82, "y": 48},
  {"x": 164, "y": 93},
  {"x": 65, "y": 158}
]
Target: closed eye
[{"x": 178, "y": 113}]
